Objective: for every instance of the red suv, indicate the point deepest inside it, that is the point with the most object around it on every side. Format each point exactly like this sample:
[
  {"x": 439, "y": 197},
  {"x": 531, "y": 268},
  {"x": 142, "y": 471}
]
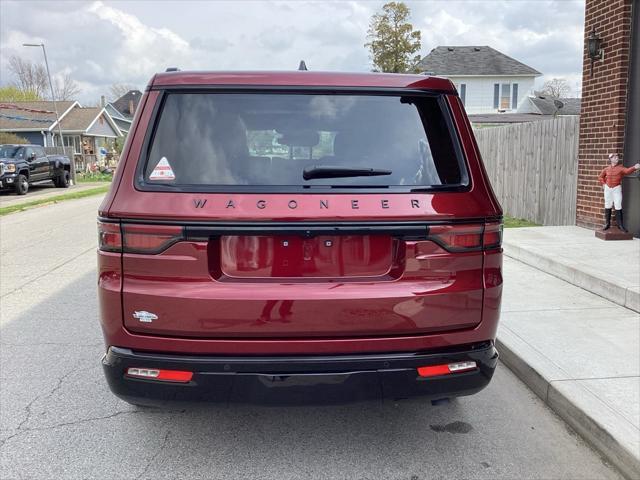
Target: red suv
[{"x": 299, "y": 236}]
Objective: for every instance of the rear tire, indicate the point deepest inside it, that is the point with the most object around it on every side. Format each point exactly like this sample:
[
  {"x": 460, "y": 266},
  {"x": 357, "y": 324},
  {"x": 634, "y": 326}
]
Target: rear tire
[
  {"x": 62, "y": 181},
  {"x": 22, "y": 185}
]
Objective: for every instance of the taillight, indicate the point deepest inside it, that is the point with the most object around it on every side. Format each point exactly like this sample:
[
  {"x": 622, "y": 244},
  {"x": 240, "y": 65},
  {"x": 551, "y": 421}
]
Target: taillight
[
  {"x": 492, "y": 237},
  {"x": 466, "y": 238},
  {"x": 109, "y": 237},
  {"x": 149, "y": 238},
  {"x": 135, "y": 238},
  {"x": 457, "y": 238}
]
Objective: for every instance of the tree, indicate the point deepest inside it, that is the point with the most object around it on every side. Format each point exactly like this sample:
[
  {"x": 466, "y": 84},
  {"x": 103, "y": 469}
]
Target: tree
[
  {"x": 29, "y": 77},
  {"x": 66, "y": 88},
  {"x": 11, "y": 93},
  {"x": 556, "y": 88},
  {"x": 393, "y": 42},
  {"x": 119, "y": 89}
]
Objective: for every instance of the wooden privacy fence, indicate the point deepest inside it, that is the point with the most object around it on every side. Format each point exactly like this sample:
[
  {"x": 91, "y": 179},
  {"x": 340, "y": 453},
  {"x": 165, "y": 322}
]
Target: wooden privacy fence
[{"x": 533, "y": 168}]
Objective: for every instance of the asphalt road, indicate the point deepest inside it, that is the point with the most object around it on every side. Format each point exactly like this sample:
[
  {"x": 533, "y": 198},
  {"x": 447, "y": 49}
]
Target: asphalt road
[{"x": 59, "y": 420}]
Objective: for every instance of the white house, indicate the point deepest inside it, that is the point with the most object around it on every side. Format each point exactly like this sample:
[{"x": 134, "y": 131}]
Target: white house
[{"x": 488, "y": 81}]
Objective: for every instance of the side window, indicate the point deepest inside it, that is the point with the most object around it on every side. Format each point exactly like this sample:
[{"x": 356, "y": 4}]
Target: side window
[
  {"x": 40, "y": 152},
  {"x": 505, "y": 99},
  {"x": 29, "y": 153}
]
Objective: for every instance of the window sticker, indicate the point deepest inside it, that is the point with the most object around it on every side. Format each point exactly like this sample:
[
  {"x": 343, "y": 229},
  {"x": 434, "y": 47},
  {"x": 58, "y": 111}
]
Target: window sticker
[{"x": 163, "y": 171}]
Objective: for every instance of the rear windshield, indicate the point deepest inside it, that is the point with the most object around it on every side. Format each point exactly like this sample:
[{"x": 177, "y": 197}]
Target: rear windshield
[{"x": 207, "y": 140}]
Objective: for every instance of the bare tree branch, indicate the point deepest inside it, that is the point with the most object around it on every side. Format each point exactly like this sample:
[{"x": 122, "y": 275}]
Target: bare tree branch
[
  {"x": 32, "y": 78},
  {"x": 66, "y": 88},
  {"x": 28, "y": 76},
  {"x": 556, "y": 88},
  {"x": 119, "y": 89}
]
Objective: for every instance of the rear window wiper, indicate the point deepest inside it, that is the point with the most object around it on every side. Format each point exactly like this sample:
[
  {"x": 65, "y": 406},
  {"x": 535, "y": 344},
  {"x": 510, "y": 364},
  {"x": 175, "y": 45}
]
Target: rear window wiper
[{"x": 328, "y": 171}]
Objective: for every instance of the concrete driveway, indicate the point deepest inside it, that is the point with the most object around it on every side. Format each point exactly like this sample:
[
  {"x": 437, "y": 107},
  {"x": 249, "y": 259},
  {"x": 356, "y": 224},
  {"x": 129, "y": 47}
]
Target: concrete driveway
[{"x": 59, "y": 420}]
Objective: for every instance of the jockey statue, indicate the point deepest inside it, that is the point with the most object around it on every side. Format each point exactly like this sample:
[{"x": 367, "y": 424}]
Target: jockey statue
[{"x": 610, "y": 178}]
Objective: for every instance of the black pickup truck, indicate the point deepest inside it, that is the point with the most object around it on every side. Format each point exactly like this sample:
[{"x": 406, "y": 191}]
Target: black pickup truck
[{"x": 22, "y": 165}]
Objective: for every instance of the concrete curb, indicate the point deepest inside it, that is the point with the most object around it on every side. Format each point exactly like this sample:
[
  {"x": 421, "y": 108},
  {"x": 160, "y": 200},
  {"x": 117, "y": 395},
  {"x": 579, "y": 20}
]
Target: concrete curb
[
  {"x": 568, "y": 400},
  {"x": 628, "y": 297}
]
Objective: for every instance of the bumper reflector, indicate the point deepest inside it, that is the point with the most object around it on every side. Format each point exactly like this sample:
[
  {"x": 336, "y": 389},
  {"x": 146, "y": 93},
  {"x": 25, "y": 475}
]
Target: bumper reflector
[
  {"x": 446, "y": 369},
  {"x": 155, "y": 374}
]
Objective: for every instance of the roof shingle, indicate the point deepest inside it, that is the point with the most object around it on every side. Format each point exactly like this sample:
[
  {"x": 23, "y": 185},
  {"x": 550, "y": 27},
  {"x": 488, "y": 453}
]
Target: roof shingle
[
  {"x": 546, "y": 105},
  {"x": 123, "y": 104},
  {"x": 79, "y": 119},
  {"x": 473, "y": 60},
  {"x": 24, "y": 119}
]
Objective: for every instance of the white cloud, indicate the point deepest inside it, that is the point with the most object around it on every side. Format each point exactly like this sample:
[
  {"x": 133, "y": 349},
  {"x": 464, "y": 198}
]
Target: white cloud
[
  {"x": 107, "y": 42},
  {"x": 140, "y": 47}
]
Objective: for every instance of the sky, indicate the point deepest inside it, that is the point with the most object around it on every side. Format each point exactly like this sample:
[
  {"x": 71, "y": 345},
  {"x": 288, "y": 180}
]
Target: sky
[{"x": 105, "y": 42}]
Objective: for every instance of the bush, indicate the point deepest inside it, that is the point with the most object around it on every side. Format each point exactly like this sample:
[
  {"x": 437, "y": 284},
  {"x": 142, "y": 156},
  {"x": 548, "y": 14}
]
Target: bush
[{"x": 6, "y": 137}]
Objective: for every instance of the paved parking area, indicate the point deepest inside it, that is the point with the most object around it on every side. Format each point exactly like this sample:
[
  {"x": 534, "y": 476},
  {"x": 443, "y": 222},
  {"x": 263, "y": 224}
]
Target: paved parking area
[{"x": 59, "y": 420}]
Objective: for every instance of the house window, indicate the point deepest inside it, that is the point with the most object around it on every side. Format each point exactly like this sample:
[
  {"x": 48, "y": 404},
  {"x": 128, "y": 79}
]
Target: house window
[
  {"x": 463, "y": 93},
  {"x": 505, "y": 98},
  {"x": 496, "y": 95},
  {"x": 514, "y": 96},
  {"x": 73, "y": 142}
]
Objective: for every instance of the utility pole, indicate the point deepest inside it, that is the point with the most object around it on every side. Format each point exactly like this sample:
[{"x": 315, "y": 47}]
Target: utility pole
[{"x": 55, "y": 106}]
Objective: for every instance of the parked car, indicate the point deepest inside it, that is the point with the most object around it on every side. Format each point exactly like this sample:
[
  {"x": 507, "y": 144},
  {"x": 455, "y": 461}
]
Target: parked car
[
  {"x": 295, "y": 237},
  {"x": 22, "y": 165}
]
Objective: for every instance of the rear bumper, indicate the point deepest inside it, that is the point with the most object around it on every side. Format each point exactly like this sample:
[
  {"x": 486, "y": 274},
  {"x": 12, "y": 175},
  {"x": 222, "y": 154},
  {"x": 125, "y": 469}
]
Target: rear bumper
[{"x": 298, "y": 379}]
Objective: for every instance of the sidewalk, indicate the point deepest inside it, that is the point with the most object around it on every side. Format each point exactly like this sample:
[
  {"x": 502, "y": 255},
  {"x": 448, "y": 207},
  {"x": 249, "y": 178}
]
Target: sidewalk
[
  {"x": 609, "y": 269},
  {"x": 44, "y": 191},
  {"x": 565, "y": 333}
]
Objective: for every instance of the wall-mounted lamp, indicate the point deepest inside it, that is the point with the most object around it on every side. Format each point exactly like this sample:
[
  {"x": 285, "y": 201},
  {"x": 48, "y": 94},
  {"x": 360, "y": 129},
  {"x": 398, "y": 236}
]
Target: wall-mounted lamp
[{"x": 594, "y": 43}]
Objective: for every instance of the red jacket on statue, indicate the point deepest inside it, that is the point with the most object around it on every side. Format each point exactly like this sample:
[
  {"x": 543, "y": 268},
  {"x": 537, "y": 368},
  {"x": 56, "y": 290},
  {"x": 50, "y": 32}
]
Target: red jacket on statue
[{"x": 612, "y": 175}]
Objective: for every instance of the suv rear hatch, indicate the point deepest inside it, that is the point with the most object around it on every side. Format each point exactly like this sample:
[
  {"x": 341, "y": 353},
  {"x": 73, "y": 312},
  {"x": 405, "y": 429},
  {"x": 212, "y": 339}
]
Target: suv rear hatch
[{"x": 300, "y": 214}]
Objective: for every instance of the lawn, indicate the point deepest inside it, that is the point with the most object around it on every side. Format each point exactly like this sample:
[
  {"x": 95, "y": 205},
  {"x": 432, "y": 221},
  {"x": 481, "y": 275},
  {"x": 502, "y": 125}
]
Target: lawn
[
  {"x": 56, "y": 199},
  {"x": 510, "y": 222},
  {"x": 93, "y": 177}
]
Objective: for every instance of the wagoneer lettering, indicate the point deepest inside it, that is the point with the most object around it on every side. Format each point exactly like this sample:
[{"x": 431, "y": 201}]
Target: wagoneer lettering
[
  {"x": 333, "y": 231},
  {"x": 383, "y": 203}
]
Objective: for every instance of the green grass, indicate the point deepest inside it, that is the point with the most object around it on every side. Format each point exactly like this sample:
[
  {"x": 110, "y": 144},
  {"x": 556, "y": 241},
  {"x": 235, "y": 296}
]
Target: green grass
[
  {"x": 94, "y": 177},
  {"x": 56, "y": 199},
  {"x": 510, "y": 222}
]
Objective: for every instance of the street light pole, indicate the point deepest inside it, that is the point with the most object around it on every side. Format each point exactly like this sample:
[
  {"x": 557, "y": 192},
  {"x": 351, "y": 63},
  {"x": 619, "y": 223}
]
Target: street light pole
[
  {"x": 53, "y": 95},
  {"x": 55, "y": 105}
]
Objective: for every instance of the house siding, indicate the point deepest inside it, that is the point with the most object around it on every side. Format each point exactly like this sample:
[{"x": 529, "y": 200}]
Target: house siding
[
  {"x": 34, "y": 138},
  {"x": 102, "y": 128},
  {"x": 480, "y": 91}
]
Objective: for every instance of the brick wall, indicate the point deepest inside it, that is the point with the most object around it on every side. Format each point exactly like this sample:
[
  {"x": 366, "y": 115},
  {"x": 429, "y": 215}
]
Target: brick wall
[{"x": 604, "y": 96}]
